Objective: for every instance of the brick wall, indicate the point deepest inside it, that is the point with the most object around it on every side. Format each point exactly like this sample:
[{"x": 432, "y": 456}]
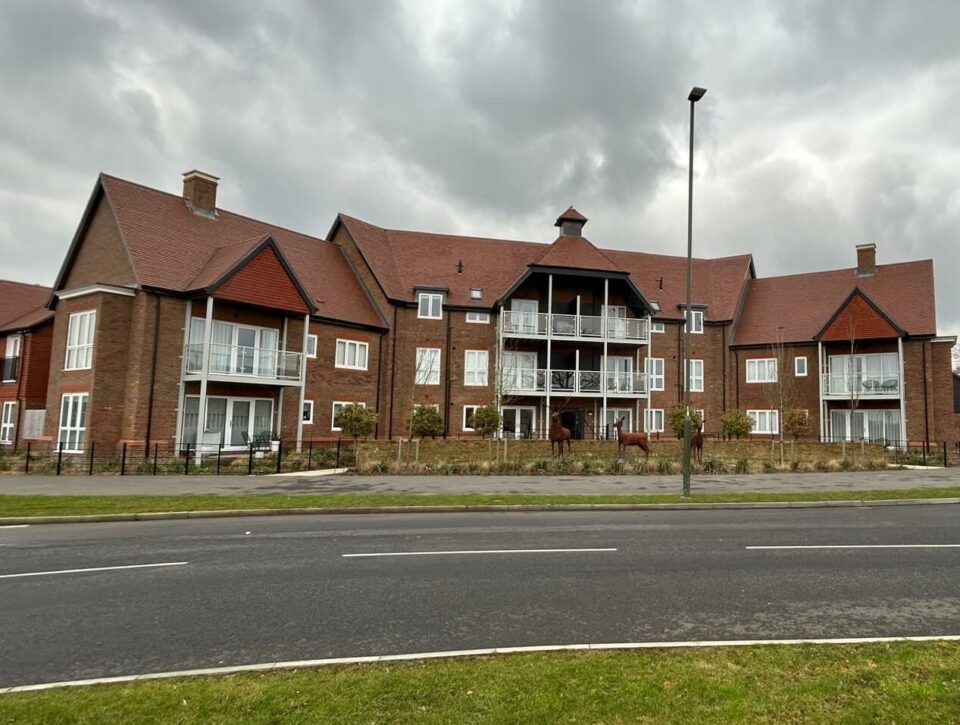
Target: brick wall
[{"x": 102, "y": 257}]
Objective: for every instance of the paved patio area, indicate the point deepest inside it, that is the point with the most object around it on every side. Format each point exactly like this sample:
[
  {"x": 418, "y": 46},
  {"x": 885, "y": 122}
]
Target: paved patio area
[{"x": 240, "y": 485}]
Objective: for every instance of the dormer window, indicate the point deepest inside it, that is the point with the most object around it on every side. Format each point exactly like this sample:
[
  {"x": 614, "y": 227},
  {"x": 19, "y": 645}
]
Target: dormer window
[
  {"x": 430, "y": 306},
  {"x": 696, "y": 321},
  {"x": 476, "y": 293}
]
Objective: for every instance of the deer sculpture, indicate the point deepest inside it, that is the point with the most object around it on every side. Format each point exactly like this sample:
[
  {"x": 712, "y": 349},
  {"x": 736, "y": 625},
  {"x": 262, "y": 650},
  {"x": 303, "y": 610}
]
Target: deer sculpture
[
  {"x": 696, "y": 443},
  {"x": 630, "y": 439},
  {"x": 558, "y": 434}
]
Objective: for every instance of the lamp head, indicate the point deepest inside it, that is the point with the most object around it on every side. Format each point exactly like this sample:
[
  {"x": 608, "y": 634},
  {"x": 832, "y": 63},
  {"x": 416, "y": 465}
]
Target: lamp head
[{"x": 696, "y": 94}]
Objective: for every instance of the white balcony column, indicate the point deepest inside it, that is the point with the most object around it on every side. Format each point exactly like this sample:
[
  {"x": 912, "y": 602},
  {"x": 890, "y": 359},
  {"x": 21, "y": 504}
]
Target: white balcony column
[
  {"x": 578, "y": 329},
  {"x": 279, "y": 357},
  {"x": 181, "y": 392},
  {"x": 499, "y": 392},
  {"x": 547, "y": 382},
  {"x": 204, "y": 375},
  {"x": 903, "y": 396},
  {"x": 820, "y": 374},
  {"x": 576, "y": 370},
  {"x": 303, "y": 381},
  {"x": 603, "y": 366},
  {"x": 646, "y": 374}
]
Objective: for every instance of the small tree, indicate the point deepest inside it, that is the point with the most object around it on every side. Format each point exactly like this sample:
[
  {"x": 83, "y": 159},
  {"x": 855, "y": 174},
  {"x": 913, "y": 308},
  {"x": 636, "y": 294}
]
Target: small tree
[
  {"x": 485, "y": 420},
  {"x": 736, "y": 423},
  {"x": 676, "y": 416},
  {"x": 356, "y": 421},
  {"x": 796, "y": 422},
  {"x": 426, "y": 421}
]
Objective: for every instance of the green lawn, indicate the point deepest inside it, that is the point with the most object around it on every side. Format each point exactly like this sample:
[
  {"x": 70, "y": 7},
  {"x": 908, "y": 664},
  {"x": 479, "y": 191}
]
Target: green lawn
[
  {"x": 898, "y": 682},
  {"x": 83, "y": 505}
]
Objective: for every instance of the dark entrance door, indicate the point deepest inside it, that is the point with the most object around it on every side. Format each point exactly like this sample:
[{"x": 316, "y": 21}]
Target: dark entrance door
[{"x": 572, "y": 418}]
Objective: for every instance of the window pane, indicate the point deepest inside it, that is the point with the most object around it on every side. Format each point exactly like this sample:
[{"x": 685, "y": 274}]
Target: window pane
[{"x": 362, "y": 356}]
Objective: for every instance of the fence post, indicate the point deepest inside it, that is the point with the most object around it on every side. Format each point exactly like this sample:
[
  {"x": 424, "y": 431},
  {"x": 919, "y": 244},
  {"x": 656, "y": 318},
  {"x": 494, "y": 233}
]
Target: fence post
[
  {"x": 123, "y": 460},
  {"x": 59, "y": 457},
  {"x": 186, "y": 462},
  {"x": 310, "y": 455},
  {"x": 279, "y": 454},
  {"x": 250, "y": 461},
  {"x": 337, "y": 464},
  {"x": 156, "y": 448},
  {"x": 923, "y": 448},
  {"x": 90, "y": 469},
  {"x": 219, "y": 452},
  {"x": 944, "y": 454},
  {"x": 26, "y": 464}
]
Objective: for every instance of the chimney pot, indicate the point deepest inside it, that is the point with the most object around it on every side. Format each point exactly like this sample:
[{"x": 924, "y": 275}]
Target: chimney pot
[
  {"x": 200, "y": 191},
  {"x": 866, "y": 260}
]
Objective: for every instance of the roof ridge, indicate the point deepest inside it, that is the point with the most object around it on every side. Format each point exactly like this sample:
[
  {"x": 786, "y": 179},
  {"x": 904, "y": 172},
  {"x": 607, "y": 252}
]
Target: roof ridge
[
  {"x": 26, "y": 284},
  {"x": 220, "y": 210},
  {"x": 837, "y": 270}
]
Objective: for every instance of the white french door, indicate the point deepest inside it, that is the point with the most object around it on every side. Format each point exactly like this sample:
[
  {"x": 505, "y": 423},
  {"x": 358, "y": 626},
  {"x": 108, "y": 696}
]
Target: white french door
[
  {"x": 519, "y": 421},
  {"x": 619, "y": 374},
  {"x": 232, "y": 422},
  {"x": 520, "y": 371},
  {"x": 524, "y": 317},
  {"x": 616, "y": 322}
]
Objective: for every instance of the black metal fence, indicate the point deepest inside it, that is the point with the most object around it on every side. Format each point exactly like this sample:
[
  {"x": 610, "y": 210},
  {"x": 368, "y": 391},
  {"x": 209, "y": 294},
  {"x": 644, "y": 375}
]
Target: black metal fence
[{"x": 41, "y": 458}]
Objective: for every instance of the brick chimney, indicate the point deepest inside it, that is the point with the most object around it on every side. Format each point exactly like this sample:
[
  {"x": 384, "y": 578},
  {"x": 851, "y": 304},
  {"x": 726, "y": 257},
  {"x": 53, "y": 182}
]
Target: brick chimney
[
  {"x": 200, "y": 191},
  {"x": 866, "y": 260}
]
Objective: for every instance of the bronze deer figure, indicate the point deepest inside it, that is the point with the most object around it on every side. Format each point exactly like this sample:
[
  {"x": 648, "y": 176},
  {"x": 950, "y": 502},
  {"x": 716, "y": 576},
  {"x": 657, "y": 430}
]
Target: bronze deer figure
[
  {"x": 558, "y": 434},
  {"x": 696, "y": 443},
  {"x": 630, "y": 439}
]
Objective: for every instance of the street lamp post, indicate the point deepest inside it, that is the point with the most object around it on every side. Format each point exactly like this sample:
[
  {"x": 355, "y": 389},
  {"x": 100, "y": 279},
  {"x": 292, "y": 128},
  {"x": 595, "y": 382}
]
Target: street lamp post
[{"x": 695, "y": 95}]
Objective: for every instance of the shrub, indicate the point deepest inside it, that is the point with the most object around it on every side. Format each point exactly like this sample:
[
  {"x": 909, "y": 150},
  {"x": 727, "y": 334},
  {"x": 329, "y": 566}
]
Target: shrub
[
  {"x": 796, "y": 422},
  {"x": 713, "y": 465},
  {"x": 426, "y": 421},
  {"x": 676, "y": 417},
  {"x": 768, "y": 467},
  {"x": 664, "y": 465},
  {"x": 736, "y": 423},
  {"x": 485, "y": 420},
  {"x": 742, "y": 466}
]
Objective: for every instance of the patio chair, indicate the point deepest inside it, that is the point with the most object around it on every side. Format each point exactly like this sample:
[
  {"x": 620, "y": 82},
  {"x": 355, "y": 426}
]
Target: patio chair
[
  {"x": 871, "y": 386},
  {"x": 889, "y": 385}
]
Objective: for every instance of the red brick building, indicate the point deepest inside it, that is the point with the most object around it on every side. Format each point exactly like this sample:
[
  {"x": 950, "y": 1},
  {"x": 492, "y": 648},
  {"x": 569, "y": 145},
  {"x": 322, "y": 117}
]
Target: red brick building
[
  {"x": 26, "y": 330},
  {"x": 178, "y": 322}
]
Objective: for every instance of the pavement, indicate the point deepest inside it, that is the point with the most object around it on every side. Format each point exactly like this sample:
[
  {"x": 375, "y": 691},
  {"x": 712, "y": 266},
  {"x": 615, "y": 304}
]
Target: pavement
[
  {"x": 97, "y": 600},
  {"x": 388, "y": 484}
]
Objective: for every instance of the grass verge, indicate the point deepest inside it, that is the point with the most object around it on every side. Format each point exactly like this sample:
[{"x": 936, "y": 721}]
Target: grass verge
[
  {"x": 896, "y": 682},
  {"x": 17, "y": 505}
]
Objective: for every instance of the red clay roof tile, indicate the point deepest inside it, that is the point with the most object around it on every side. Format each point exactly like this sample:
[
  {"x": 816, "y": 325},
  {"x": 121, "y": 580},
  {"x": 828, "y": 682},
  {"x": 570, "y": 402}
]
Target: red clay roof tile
[{"x": 22, "y": 306}]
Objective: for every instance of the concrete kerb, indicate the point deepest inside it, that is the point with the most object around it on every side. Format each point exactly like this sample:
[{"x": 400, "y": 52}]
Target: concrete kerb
[{"x": 485, "y": 508}]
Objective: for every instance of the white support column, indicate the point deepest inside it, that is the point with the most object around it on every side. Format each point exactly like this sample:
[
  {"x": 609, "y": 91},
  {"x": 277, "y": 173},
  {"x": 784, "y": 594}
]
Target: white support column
[
  {"x": 283, "y": 347},
  {"x": 646, "y": 369},
  {"x": 204, "y": 374},
  {"x": 820, "y": 374},
  {"x": 499, "y": 393},
  {"x": 303, "y": 381},
  {"x": 603, "y": 364},
  {"x": 181, "y": 391},
  {"x": 549, "y": 339},
  {"x": 903, "y": 397},
  {"x": 578, "y": 327},
  {"x": 576, "y": 370}
]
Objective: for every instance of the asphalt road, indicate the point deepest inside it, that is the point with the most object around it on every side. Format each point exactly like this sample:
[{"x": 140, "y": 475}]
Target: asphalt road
[{"x": 286, "y": 591}]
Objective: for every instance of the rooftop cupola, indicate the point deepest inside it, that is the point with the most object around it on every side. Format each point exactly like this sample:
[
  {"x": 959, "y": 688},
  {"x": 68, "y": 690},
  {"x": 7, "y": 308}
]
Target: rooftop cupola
[{"x": 571, "y": 223}]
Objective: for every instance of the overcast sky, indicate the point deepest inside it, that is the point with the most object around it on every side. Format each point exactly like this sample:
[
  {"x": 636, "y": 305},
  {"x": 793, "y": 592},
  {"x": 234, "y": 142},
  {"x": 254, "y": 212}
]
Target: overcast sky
[{"x": 826, "y": 124}]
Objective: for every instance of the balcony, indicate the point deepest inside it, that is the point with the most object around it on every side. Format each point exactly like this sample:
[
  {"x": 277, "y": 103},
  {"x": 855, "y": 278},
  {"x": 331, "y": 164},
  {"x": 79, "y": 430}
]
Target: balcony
[
  {"x": 238, "y": 363},
  {"x": 11, "y": 366},
  {"x": 861, "y": 386},
  {"x": 541, "y": 325},
  {"x": 583, "y": 383}
]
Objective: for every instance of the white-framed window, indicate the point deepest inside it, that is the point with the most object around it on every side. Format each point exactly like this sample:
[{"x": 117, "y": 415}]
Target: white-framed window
[
  {"x": 653, "y": 420},
  {"x": 696, "y": 321},
  {"x": 9, "y": 362},
  {"x": 312, "y": 346},
  {"x": 80, "y": 340},
  {"x": 479, "y": 318},
  {"x": 703, "y": 417},
  {"x": 428, "y": 366},
  {"x": 307, "y": 412},
  {"x": 7, "y": 419},
  {"x": 655, "y": 373},
  {"x": 352, "y": 354},
  {"x": 765, "y": 421},
  {"x": 657, "y": 327},
  {"x": 696, "y": 375},
  {"x": 468, "y": 411},
  {"x": 430, "y": 306},
  {"x": 762, "y": 370},
  {"x": 73, "y": 422},
  {"x": 338, "y": 406},
  {"x": 800, "y": 367},
  {"x": 475, "y": 367}
]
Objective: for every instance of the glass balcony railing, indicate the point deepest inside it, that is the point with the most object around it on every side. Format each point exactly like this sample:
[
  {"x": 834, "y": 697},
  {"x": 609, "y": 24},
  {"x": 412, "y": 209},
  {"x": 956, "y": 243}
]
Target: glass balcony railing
[
  {"x": 861, "y": 385},
  {"x": 543, "y": 325},
  {"x": 583, "y": 382},
  {"x": 244, "y": 362}
]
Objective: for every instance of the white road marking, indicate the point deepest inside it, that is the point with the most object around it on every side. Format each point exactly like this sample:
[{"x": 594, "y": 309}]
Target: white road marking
[
  {"x": 93, "y": 568},
  {"x": 474, "y": 551},
  {"x": 863, "y": 546},
  {"x": 301, "y": 664},
  {"x": 15, "y": 526}
]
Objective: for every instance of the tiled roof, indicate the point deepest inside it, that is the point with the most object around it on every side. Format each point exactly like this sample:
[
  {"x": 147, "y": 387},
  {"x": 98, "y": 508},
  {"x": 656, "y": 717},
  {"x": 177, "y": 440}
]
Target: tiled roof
[
  {"x": 797, "y": 306},
  {"x": 402, "y": 260},
  {"x": 171, "y": 248},
  {"x": 570, "y": 215},
  {"x": 573, "y": 252},
  {"x": 22, "y": 306}
]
